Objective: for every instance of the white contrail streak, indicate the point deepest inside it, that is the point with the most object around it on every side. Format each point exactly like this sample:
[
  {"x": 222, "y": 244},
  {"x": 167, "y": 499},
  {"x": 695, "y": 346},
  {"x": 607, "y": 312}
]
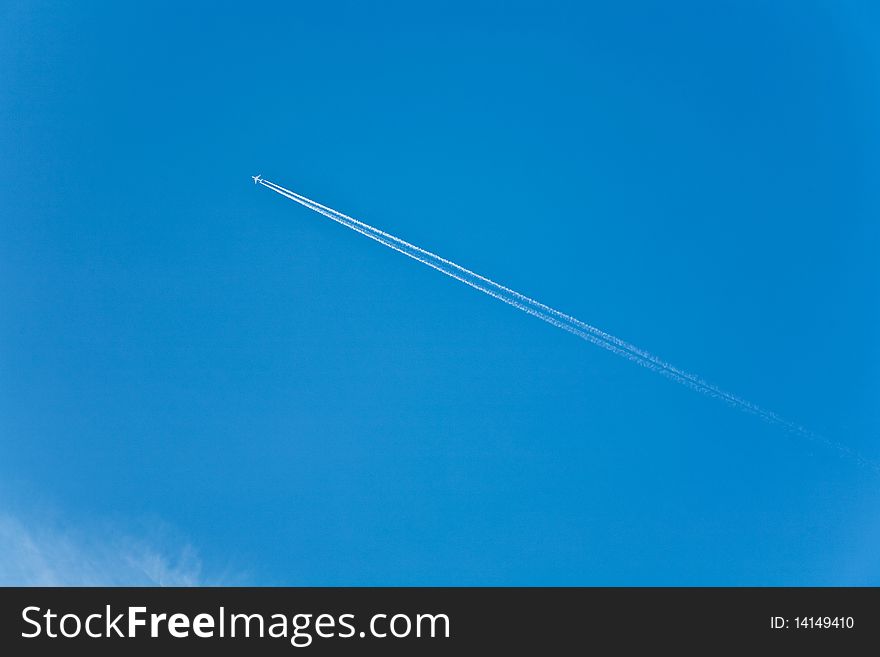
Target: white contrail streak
[{"x": 553, "y": 316}]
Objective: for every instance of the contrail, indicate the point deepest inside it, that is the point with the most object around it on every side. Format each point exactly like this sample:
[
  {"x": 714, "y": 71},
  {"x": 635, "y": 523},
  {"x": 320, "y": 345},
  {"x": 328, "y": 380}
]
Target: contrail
[{"x": 555, "y": 317}]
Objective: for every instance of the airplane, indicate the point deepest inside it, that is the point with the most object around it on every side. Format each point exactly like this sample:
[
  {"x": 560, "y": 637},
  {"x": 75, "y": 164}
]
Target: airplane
[{"x": 256, "y": 178}]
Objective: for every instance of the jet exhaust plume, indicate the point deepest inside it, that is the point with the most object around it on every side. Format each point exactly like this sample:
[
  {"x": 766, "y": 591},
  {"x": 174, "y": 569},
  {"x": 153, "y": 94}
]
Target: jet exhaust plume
[{"x": 557, "y": 318}]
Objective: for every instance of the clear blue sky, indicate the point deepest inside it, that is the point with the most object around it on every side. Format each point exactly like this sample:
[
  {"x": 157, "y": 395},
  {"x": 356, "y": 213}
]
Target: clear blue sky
[{"x": 182, "y": 350}]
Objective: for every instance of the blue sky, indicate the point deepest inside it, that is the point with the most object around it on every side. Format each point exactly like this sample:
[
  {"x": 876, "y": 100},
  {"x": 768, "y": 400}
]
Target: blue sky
[{"x": 197, "y": 370}]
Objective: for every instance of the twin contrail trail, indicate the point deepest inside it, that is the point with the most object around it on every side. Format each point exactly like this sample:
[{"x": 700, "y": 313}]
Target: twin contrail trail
[{"x": 553, "y": 316}]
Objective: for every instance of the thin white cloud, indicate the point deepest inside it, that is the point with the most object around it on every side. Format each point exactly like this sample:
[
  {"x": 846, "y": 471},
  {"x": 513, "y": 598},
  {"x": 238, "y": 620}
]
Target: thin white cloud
[{"x": 33, "y": 554}]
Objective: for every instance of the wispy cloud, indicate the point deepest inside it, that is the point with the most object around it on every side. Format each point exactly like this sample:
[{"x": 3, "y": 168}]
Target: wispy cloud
[{"x": 34, "y": 554}]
